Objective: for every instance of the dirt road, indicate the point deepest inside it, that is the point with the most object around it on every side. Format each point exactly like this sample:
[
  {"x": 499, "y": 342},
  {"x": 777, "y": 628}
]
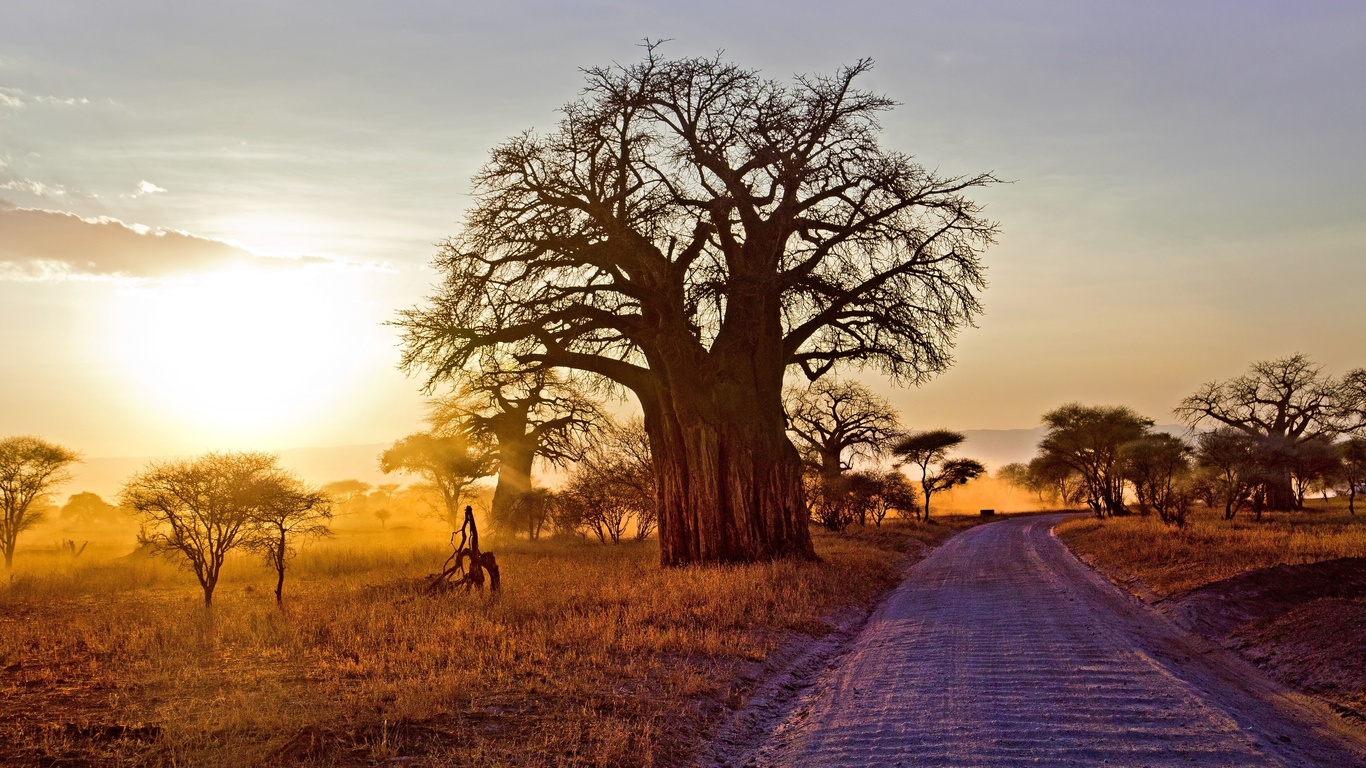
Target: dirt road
[{"x": 1002, "y": 649}]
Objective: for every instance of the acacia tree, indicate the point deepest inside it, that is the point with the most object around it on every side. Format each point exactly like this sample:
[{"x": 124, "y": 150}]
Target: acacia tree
[
  {"x": 1283, "y": 403},
  {"x": 201, "y": 509},
  {"x": 523, "y": 415},
  {"x": 29, "y": 469},
  {"x": 836, "y": 422},
  {"x": 1157, "y": 466},
  {"x": 1310, "y": 462},
  {"x": 1353, "y": 454},
  {"x": 88, "y": 508},
  {"x": 1087, "y": 440},
  {"x": 287, "y": 511},
  {"x": 929, "y": 451},
  {"x": 691, "y": 231},
  {"x": 449, "y": 462},
  {"x": 1232, "y": 468}
]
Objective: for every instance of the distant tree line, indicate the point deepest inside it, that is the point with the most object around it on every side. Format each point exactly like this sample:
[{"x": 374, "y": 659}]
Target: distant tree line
[
  {"x": 1279, "y": 432},
  {"x": 839, "y": 424}
]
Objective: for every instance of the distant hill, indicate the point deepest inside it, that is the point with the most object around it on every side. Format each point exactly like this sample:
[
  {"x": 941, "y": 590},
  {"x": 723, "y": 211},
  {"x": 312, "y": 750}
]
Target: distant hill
[{"x": 104, "y": 476}]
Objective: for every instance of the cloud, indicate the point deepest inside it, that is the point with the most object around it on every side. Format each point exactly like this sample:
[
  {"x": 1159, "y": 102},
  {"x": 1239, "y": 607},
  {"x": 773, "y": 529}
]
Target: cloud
[
  {"x": 35, "y": 188},
  {"x": 15, "y": 98},
  {"x": 53, "y": 245},
  {"x": 58, "y": 100}
]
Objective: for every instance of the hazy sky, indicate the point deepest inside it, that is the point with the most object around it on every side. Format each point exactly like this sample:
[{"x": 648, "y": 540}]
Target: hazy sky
[{"x": 209, "y": 210}]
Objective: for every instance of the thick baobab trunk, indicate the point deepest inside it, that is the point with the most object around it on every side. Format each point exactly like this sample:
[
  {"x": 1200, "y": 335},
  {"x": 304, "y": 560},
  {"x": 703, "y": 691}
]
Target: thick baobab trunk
[
  {"x": 729, "y": 481},
  {"x": 1280, "y": 493},
  {"x": 515, "y": 458}
]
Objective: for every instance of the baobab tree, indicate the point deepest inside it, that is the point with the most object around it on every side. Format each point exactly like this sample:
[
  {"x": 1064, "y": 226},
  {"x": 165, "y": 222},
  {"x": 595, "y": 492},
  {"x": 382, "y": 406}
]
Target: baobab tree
[
  {"x": 29, "y": 468},
  {"x": 1283, "y": 404},
  {"x": 836, "y": 422},
  {"x": 692, "y": 231},
  {"x": 522, "y": 415}
]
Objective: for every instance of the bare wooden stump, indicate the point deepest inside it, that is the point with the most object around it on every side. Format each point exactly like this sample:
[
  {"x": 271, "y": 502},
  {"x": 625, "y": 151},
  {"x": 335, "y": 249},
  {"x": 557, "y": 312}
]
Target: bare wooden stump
[{"x": 467, "y": 567}]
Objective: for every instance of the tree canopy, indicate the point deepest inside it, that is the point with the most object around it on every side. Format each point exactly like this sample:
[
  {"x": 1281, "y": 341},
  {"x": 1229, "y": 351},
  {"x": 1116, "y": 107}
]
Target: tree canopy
[{"x": 1087, "y": 440}]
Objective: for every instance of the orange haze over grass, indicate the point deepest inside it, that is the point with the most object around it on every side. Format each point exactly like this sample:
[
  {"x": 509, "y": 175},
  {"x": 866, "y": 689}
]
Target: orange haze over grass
[{"x": 983, "y": 493}]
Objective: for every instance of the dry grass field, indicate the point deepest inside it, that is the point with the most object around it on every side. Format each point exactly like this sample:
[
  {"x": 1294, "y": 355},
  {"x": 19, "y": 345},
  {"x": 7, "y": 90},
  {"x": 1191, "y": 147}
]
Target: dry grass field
[
  {"x": 592, "y": 655},
  {"x": 1169, "y": 561}
]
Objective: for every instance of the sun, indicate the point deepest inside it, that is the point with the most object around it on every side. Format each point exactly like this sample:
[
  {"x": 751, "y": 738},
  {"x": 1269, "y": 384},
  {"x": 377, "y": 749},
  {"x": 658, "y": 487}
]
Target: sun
[{"x": 242, "y": 353}]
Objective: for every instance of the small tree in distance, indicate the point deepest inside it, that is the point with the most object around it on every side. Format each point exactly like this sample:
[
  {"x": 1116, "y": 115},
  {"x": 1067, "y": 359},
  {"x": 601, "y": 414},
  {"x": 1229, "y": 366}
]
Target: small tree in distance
[
  {"x": 929, "y": 452},
  {"x": 29, "y": 468},
  {"x": 1230, "y": 468},
  {"x": 1157, "y": 465},
  {"x": 613, "y": 486},
  {"x": 1353, "y": 474},
  {"x": 382, "y": 515},
  {"x": 451, "y": 463},
  {"x": 1086, "y": 440}
]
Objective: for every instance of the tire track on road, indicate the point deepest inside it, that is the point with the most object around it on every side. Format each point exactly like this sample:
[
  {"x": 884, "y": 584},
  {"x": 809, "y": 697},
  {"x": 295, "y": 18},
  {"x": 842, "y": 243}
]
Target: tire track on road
[{"x": 1002, "y": 649}]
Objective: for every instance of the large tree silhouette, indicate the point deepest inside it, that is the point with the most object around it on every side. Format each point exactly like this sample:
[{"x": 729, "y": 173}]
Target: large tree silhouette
[{"x": 690, "y": 231}]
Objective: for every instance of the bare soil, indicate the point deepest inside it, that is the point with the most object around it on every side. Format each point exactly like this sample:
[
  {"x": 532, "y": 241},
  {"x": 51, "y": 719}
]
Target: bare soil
[{"x": 1305, "y": 625}]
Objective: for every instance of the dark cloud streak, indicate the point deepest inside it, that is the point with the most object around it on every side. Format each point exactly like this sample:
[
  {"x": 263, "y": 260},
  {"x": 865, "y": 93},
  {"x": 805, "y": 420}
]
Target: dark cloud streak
[{"x": 44, "y": 244}]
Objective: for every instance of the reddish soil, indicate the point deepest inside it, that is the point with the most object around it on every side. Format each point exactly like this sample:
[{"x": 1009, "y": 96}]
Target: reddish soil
[{"x": 1305, "y": 625}]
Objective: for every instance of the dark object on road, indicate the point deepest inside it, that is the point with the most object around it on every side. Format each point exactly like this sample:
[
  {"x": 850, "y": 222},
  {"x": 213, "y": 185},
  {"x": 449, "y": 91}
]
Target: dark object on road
[{"x": 988, "y": 513}]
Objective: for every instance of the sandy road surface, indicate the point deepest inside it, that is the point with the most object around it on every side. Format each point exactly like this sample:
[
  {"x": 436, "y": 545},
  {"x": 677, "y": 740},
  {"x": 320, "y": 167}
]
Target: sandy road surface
[{"x": 1002, "y": 649}]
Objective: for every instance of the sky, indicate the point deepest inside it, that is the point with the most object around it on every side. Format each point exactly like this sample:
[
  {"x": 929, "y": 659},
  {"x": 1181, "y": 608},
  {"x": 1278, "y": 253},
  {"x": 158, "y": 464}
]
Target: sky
[{"x": 209, "y": 211}]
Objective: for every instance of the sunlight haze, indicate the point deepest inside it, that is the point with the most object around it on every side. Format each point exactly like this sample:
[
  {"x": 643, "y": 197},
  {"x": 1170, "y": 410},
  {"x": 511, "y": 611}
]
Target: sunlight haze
[{"x": 207, "y": 215}]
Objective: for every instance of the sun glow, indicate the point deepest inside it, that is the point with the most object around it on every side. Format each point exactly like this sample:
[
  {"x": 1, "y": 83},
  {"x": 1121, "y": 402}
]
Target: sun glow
[{"x": 243, "y": 354}]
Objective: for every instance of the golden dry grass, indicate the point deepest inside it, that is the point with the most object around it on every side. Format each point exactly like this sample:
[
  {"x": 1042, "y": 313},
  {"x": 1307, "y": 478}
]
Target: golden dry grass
[
  {"x": 1171, "y": 561},
  {"x": 592, "y": 655}
]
